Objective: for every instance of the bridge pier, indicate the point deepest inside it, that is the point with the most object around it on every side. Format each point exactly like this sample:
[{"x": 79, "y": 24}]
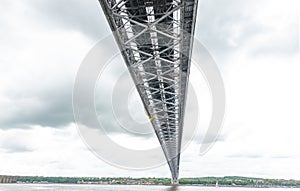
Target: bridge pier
[{"x": 175, "y": 181}]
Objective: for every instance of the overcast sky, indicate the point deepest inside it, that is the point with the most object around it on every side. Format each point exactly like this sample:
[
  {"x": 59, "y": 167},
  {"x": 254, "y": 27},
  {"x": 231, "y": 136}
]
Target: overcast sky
[{"x": 255, "y": 43}]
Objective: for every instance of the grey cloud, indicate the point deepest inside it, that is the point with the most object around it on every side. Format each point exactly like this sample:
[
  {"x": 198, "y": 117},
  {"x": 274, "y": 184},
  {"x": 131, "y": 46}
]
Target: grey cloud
[
  {"x": 253, "y": 156},
  {"x": 228, "y": 26},
  {"x": 19, "y": 149},
  {"x": 282, "y": 156},
  {"x": 77, "y": 15},
  {"x": 15, "y": 147},
  {"x": 282, "y": 46},
  {"x": 49, "y": 107},
  {"x": 212, "y": 138},
  {"x": 215, "y": 25},
  {"x": 217, "y": 19},
  {"x": 37, "y": 68}
]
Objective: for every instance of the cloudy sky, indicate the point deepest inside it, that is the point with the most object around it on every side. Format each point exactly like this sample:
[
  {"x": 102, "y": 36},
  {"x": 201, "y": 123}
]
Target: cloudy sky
[{"x": 255, "y": 44}]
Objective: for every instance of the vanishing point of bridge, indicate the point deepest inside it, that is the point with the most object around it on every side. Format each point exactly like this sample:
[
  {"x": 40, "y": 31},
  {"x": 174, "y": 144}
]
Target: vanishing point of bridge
[{"x": 155, "y": 38}]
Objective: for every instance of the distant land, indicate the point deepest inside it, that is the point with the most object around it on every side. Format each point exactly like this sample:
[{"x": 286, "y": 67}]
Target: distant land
[{"x": 235, "y": 181}]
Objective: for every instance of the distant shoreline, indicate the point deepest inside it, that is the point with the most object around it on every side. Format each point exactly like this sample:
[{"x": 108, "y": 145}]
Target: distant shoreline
[
  {"x": 227, "y": 181},
  {"x": 192, "y": 185}
]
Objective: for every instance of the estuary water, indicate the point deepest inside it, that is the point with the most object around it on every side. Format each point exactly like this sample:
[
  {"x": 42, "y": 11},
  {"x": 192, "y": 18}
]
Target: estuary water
[{"x": 59, "y": 187}]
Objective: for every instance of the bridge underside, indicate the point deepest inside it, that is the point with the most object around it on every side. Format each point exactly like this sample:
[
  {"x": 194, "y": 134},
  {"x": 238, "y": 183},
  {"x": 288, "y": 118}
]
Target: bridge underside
[{"x": 155, "y": 38}]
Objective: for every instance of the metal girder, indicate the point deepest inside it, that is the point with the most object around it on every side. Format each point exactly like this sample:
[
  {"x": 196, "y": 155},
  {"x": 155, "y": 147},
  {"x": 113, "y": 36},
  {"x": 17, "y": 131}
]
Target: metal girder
[{"x": 155, "y": 38}]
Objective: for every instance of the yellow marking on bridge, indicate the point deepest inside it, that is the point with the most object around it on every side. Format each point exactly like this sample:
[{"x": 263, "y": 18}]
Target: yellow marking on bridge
[{"x": 150, "y": 117}]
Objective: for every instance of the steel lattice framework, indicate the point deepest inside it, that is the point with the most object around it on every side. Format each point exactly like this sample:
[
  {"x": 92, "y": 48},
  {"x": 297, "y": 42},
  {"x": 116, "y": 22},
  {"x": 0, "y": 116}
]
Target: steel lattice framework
[{"x": 155, "y": 38}]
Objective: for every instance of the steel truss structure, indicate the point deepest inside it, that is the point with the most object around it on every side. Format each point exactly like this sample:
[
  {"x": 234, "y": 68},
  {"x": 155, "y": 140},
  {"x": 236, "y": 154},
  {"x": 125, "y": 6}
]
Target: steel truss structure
[{"x": 155, "y": 38}]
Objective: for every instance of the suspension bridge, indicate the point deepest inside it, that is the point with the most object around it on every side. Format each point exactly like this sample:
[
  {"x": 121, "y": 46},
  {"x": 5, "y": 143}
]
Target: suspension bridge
[{"x": 156, "y": 39}]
